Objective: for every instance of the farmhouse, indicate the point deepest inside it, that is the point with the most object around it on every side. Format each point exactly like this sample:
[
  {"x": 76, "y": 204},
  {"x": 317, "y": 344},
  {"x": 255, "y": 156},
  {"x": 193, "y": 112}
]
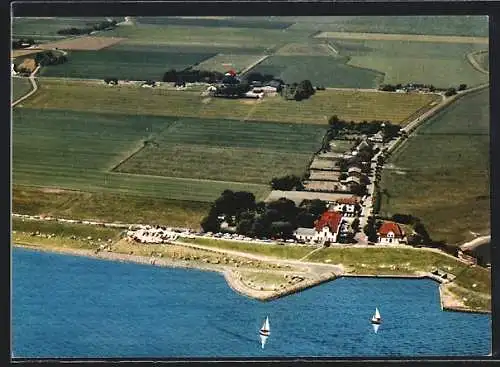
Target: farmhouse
[
  {"x": 347, "y": 206},
  {"x": 390, "y": 233},
  {"x": 355, "y": 171},
  {"x": 377, "y": 138},
  {"x": 327, "y": 229}
]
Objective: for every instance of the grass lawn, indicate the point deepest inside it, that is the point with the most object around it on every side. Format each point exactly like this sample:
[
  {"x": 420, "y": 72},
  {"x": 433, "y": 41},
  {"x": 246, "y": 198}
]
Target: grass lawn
[
  {"x": 76, "y": 150},
  {"x": 228, "y": 150},
  {"x": 328, "y": 71},
  {"x": 281, "y": 251},
  {"x": 348, "y": 105},
  {"x": 440, "y": 64},
  {"x": 407, "y": 260},
  {"x": 125, "y": 63},
  {"x": 20, "y": 86},
  {"x": 108, "y": 207},
  {"x": 448, "y": 160}
]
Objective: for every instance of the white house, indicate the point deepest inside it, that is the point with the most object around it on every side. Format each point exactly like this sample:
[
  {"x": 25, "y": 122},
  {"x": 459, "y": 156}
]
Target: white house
[
  {"x": 377, "y": 138},
  {"x": 347, "y": 206},
  {"x": 326, "y": 229},
  {"x": 390, "y": 233}
]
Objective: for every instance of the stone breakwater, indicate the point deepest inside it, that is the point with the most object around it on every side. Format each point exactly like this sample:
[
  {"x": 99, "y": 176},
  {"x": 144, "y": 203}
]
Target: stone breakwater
[{"x": 235, "y": 281}]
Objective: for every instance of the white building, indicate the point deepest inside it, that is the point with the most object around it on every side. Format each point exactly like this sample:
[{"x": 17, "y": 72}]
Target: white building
[
  {"x": 390, "y": 233},
  {"x": 326, "y": 229}
]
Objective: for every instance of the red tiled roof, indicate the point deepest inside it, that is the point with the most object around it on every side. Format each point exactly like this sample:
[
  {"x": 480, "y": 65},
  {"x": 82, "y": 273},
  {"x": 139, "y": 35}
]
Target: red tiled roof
[
  {"x": 330, "y": 219},
  {"x": 351, "y": 201},
  {"x": 387, "y": 227}
]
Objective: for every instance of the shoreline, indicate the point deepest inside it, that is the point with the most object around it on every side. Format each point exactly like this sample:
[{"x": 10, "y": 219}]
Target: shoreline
[{"x": 234, "y": 278}]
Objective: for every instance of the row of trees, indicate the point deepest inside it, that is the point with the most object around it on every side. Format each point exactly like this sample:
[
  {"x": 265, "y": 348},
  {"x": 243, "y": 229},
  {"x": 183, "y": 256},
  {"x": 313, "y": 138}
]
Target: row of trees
[
  {"x": 430, "y": 87},
  {"x": 49, "y": 58},
  {"x": 276, "y": 219},
  {"x": 190, "y": 75},
  {"x": 89, "y": 29},
  {"x": 298, "y": 91},
  {"x": 287, "y": 183}
]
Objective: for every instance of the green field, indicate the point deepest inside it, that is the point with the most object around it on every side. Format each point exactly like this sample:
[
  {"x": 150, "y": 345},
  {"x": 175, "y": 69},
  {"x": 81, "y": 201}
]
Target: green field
[
  {"x": 125, "y": 63},
  {"x": 228, "y": 150},
  {"x": 225, "y": 62},
  {"x": 440, "y": 64},
  {"x": 109, "y": 207},
  {"x": 76, "y": 151},
  {"x": 206, "y": 36},
  {"x": 224, "y": 22},
  {"x": 46, "y": 28},
  {"x": 436, "y": 25},
  {"x": 452, "y": 170},
  {"x": 328, "y": 71},
  {"x": 20, "y": 86},
  {"x": 348, "y": 105}
]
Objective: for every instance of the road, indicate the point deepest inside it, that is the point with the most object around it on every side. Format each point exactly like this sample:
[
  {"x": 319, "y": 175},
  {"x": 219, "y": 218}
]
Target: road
[{"x": 32, "y": 91}]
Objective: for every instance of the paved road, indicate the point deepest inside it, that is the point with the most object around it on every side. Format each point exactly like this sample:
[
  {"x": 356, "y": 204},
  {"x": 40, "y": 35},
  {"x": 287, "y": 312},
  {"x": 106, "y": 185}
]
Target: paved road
[{"x": 32, "y": 91}]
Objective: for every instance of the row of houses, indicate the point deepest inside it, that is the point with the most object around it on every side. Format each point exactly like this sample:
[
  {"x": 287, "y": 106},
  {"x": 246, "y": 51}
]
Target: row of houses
[{"x": 332, "y": 227}]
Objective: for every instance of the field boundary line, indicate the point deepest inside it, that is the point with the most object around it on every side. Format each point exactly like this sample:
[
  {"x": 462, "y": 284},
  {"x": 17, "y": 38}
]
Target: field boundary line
[
  {"x": 254, "y": 64},
  {"x": 187, "y": 179},
  {"x": 475, "y": 64}
]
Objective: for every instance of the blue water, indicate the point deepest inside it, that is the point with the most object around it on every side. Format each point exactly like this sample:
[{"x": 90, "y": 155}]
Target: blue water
[{"x": 66, "y": 306}]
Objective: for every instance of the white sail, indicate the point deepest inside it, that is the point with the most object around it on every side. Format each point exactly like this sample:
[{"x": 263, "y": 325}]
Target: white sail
[
  {"x": 377, "y": 314},
  {"x": 266, "y": 325}
]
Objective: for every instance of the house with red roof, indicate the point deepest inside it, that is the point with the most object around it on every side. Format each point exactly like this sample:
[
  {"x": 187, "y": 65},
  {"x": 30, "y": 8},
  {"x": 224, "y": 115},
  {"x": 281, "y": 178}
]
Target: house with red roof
[
  {"x": 390, "y": 233},
  {"x": 326, "y": 229}
]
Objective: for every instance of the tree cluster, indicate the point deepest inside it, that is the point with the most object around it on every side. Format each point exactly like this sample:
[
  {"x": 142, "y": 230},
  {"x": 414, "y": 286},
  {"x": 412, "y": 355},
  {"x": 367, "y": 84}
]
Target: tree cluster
[
  {"x": 276, "y": 219},
  {"x": 364, "y": 127},
  {"x": 89, "y": 29},
  {"x": 189, "y": 75},
  {"x": 111, "y": 81},
  {"x": 49, "y": 58},
  {"x": 232, "y": 90},
  {"x": 450, "y": 92},
  {"x": 395, "y": 87},
  {"x": 287, "y": 183},
  {"x": 371, "y": 229},
  {"x": 298, "y": 91},
  {"x": 22, "y": 43}
]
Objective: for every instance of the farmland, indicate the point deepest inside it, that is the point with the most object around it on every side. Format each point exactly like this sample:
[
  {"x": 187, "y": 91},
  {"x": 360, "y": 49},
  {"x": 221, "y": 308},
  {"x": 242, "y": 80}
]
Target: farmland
[
  {"x": 440, "y": 64},
  {"x": 206, "y": 36},
  {"x": 224, "y": 62},
  {"x": 473, "y": 26},
  {"x": 76, "y": 151},
  {"x": 20, "y": 86},
  {"x": 124, "y": 63},
  {"x": 46, "y": 28},
  {"x": 452, "y": 171},
  {"x": 349, "y": 105},
  {"x": 107, "y": 206},
  {"x": 215, "y": 22},
  {"x": 328, "y": 71},
  {"x": 227, "y": 150}
]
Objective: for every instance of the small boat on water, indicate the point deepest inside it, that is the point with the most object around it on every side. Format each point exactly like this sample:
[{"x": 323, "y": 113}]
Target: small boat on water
[
  {"x": 376, "y": 319},
  {"x": 264, "y": 332}
]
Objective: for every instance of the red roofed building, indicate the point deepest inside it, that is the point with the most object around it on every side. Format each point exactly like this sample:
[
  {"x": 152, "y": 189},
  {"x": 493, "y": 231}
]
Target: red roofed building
[
  {"x": 390, "y": 233},
  {"x": 328, "y": 227}
]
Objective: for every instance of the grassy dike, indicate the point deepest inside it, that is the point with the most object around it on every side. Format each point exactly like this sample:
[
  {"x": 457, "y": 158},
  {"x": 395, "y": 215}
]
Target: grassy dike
[{"x": 470, "y": 290}]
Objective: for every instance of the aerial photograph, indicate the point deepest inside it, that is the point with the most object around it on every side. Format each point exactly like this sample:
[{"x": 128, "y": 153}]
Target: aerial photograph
[{"x": 249, "y": 187}]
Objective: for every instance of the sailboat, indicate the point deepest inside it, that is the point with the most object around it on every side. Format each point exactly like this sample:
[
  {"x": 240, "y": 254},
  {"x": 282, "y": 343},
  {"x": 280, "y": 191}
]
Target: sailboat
[
  {"x": 376, "y": 319},
  {"x": 264, "y": 332}
]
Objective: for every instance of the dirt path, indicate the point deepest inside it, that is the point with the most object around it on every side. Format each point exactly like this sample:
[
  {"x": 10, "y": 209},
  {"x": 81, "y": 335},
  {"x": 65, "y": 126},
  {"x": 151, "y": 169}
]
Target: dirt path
[
  {"x": 315, "y": 268},
  {"x": 32, "y": 91},
  {"x": 254, "y": 64}
]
